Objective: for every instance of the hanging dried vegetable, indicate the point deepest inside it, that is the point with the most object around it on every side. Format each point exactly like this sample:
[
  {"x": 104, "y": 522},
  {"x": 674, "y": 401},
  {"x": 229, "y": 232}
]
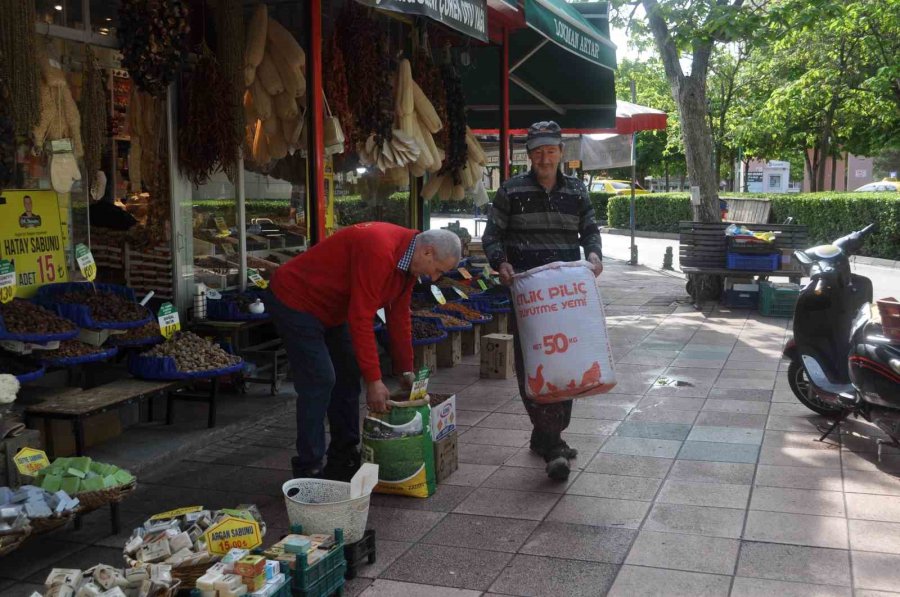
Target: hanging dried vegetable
[
  {"x": 337, "y": 89},
  {"x": 7, "y": 136},
  {"x": 207, "y": 137},
  {"x": 148, "y": 160},
  {"x": 93, "y": 113},
  {"x": 154, "y": 38},
  {"x": 229, "y": 19},
  {"x": 19, "y": 66},
  {"x": 428, "y": 75},
  {"x": 457, "y": 149}
]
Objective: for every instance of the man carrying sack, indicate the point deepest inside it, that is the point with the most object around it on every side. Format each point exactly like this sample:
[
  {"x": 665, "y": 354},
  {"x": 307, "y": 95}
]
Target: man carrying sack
[
  {"x": 537, "y": 218},
  {"x": 324, "y": 304}
]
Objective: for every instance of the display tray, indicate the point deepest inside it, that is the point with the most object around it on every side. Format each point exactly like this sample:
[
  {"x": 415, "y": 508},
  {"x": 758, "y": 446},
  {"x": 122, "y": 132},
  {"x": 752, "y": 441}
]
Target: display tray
[
  {"x": 35, "y": 338},
  {"x": 432, "y": 339},
  {"x": 137, "y": 342},
  {"x": 86, "y": 358},
  {"x": 472, "y": 304},
  {"x": 32, "y": 376},
  {"x": 164, "y": 368},
  {"x": 80, "y": 313}
]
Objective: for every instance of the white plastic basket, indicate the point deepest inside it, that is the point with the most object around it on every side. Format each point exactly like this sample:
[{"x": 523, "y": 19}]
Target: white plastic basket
[{"x": 320, "y": 506}]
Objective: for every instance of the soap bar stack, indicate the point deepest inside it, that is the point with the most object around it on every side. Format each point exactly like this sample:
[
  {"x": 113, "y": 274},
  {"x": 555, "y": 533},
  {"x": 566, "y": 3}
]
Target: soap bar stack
[
  {"x": 240, "y": 573},
  {"x": 314, "y": 547},
  {"x": 30, "y": 502},
  {"x": 107, "y": 581},
  {"x": 176, "y": 541},
  {"x": 81, "y": 474}
]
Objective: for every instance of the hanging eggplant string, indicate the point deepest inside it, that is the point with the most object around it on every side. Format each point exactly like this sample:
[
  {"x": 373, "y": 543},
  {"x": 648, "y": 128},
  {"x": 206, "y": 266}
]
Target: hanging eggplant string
[
  {"x": 457, "y": 151},
  {"x": 19, "y": 65},
  {"x": 154, "y": 38},
  {"x": 93, "y": 113},
  {"x": 207, "y": 136},
  {"x": 229, "y": 20}
]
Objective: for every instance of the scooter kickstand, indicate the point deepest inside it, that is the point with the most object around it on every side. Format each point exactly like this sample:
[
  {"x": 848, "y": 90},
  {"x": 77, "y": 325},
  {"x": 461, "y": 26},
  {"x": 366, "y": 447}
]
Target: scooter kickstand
[{"x": 840, "y": 419}]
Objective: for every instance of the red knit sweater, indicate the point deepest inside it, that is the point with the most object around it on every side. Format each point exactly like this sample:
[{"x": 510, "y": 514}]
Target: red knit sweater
[{"x": 347, "y": 278}]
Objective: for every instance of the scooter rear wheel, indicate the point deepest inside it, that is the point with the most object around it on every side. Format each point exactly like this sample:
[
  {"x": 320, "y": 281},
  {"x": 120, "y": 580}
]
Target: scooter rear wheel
[{"x": 799, "y": 383}]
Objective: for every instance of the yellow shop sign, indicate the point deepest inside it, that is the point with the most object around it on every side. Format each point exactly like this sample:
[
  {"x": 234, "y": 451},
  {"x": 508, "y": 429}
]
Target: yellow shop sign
[{"x": 230, "y": 533}]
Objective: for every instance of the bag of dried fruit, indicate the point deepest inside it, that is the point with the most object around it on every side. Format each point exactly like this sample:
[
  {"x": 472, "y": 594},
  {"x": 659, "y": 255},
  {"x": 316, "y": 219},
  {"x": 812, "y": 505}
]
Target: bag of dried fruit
[{"x": 400, "y": 443}]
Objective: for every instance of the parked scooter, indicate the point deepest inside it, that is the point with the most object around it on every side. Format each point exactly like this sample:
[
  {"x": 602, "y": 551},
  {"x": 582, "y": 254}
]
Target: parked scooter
[{"x": 842, "y": 363}]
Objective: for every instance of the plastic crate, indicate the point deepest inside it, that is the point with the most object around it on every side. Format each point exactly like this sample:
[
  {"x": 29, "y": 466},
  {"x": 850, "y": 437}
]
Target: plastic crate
[
  {"x": 227, "y": 309},
  {"x": 741, "y": 299},
  {"x": 80, "y": 313},
  {"x": 360, "y": 554},
  {"x": 326, "y": 576},
  {"x": 762, "y": 263},
  {"x": 750, "y": 246},
  {"x": 778, "y": 300}
]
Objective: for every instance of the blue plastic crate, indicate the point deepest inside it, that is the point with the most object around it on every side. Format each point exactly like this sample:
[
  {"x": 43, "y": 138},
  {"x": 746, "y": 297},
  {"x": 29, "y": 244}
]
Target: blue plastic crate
[
  {"x": 741, "y": 299},
  {"x": 762, "y": 263},
  {"x": 80, "y": 313},
  {"x": 227, "y": 308}
]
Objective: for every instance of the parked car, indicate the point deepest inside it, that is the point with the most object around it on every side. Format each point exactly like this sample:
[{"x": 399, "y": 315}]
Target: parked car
[
  {"x": 879, "y": 187},
  {"x": 616, "y": 187}
]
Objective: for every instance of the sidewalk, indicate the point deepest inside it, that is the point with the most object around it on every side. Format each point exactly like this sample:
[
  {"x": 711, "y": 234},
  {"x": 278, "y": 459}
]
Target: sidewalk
[{"x": 713, "y": 487}]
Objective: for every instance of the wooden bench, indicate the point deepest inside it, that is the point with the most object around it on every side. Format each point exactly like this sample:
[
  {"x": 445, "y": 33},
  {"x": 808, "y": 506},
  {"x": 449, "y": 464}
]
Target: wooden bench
[{"x": 703, "y": 247}]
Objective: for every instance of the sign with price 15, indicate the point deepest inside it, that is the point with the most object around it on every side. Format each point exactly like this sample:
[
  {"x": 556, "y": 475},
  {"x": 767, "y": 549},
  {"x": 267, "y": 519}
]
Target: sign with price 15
[
  {"x": 86, "y": 262},
  {"x": 29, "y": 461},
  {"x": 32, "y": 238},
  {"x": 169, "y": 322},
  {"x": 232, "y": 532}
]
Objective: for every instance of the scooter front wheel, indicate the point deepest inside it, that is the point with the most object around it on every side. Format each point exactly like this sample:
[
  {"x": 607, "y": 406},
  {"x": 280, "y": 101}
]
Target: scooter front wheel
[{"x": 799, "y": 383}]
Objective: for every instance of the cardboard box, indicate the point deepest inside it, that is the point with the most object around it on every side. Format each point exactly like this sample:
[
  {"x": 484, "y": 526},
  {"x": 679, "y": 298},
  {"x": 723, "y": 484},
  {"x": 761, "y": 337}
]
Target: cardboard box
[
  {"x": 497, "y": 356},
  {"x": 449, "y": 352},
  {"x": 443, "y": 415},
  {"x": 446, "y": 457},
  {"x": 788, "y": 263}
]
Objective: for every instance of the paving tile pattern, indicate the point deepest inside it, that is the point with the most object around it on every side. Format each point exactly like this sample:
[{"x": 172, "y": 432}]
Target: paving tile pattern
[{"x": 700, "y": 474}]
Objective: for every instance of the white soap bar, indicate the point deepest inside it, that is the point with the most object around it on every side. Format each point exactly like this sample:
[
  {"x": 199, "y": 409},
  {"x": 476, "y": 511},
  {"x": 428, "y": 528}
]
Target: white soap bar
[
  {"x": 63, "y": 576},
  {"x": 208, "y": 580},
  {"x": 228, "y": 582}
]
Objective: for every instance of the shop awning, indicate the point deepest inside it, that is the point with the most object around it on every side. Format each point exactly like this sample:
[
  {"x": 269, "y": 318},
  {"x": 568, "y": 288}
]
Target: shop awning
[
  {"x": 468, "y": 17},
  {"x": 560, "y": 67}
]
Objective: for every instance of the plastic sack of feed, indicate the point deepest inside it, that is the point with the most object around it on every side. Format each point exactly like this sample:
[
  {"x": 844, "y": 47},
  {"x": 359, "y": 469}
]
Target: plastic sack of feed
[
  {"x": 400, "y": 443},
  {"x": 562, "y": 330}
]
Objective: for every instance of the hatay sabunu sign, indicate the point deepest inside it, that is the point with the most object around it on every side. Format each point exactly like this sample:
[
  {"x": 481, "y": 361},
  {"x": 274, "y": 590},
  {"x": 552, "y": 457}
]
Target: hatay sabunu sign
[{"x": 466, "y": 16}]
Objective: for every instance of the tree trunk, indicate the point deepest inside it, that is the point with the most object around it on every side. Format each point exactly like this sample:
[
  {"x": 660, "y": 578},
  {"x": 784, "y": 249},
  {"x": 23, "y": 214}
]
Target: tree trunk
[
  {"x": 811, "y": 170},
  {"x": 690, "y": 96},
  {"x": 834, "y": 172}
]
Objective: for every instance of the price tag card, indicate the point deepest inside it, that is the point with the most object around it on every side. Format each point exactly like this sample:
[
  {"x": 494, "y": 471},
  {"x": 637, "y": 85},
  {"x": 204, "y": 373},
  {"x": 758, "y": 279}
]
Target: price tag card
[
  {"x": 169, "y": 322},
  {"x": 464, "y": 273},
  {"x": 253, "y": 276},
  {"x": 86, "y": 262},
  {"x": 230, "y": 533},
  {"x": 213, "y": 294},
  {"x": 486, "y": 272},
  {"x": 461, "y": 294},
  {"x": 420, "y": 384},
  {"x": 228, "y": 248},
  {"x": 176, "y": 513},
  {"x": 381, "y": 315},
  {"x": 438, "y": 295},
  {"x": 482, "y": 285},
  {"x": 222, "y": 227},
  {"x": 7, "y": 280},
  {"x": 29, "y": 461}
]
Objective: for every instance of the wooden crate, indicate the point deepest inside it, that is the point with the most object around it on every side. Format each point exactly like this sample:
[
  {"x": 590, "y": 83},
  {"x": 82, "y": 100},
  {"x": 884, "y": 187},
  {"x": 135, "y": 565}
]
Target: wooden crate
[
  {"x": 498, "y": 325},
  {"x": 497, "y": 356},
  {"x": 449, "y": 352},
  {"x": 446, "y": 457},
  {"x": 9, "y": 474},
  {"x": 471, "y": 340},
  {"x": 425, "y": 356}
]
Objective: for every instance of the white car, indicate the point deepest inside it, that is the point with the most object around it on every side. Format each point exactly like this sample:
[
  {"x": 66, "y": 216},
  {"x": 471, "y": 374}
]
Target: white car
[{"x": 880, "y": 187}]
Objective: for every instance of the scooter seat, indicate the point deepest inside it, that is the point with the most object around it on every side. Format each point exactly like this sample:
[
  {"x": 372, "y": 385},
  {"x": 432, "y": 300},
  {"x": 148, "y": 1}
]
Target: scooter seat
[{"x": 819, "y": 379}]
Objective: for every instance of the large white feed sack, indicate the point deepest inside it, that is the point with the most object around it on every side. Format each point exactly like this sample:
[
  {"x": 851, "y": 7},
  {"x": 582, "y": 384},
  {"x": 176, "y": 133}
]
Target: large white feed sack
[{"x": 562, "y": 330}]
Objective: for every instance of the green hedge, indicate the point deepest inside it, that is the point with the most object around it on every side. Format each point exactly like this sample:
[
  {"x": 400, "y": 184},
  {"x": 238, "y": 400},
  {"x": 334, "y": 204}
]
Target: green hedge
[{"x": 827, "y": 215}]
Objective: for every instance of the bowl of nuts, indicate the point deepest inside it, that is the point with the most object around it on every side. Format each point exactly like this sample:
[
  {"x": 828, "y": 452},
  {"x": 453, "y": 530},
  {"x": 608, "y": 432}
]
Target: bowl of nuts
[
  {"x": 95, "y": 306},
  {"x": 75, "y": 352},
  {"x": 185, "y": 356},
  {"x": 26, "y": 322}
]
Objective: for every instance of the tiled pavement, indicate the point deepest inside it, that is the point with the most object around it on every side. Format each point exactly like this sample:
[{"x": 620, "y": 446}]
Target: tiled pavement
[{"x": 711, "y": 487}]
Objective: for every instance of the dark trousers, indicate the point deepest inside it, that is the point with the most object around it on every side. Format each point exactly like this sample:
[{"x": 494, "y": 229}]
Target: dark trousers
[
  {"x": 549, "y": 420},
  {"x": 326, "y": 379}
]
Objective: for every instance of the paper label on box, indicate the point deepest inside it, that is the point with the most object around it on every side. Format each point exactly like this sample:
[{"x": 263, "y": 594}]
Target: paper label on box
[
  {"x": 253, "y": 276},
  {"x": 29, "y": 461},
  {"x": 7, "y": 280},
  {"x": 438, "y": 295},
  {"x": 86, "y": 262},
  {"x": 231, "y": 533},
  {"x": 464, "y": 273},
  {"x": 176, "y": 513},
  {"x": 443, "y": 418},
  {"x": 169, "y": 322}
]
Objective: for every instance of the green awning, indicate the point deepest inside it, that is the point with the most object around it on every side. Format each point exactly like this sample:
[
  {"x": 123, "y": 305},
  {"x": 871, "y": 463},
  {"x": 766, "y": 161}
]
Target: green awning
[
  {"x": 561, "y": 68},
  {"x": 468, "y": 17}
]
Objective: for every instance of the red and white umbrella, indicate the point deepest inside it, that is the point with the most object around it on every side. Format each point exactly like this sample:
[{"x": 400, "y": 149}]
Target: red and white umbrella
[{"x": 630, "y": 118}]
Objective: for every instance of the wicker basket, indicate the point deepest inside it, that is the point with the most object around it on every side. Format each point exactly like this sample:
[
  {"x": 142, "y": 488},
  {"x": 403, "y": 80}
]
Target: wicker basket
[
  {"x": 185, "y": 575},
  {"x": 92, "y": 500},
  {"x": 11, "y": 541},
  {"x": 46, "y": 524}
]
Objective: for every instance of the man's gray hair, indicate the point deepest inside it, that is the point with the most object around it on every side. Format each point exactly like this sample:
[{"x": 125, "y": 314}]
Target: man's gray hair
[{"x": 445, "y": 243}]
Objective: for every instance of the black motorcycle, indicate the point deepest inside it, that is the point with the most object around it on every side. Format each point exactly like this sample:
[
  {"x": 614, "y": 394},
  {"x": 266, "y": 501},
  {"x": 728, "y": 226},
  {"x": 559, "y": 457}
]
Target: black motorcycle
[{"x": 842, "y": 363}]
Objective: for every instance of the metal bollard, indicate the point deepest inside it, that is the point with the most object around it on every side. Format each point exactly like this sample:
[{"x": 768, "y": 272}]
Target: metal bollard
[{"x": 667, "y": 259}]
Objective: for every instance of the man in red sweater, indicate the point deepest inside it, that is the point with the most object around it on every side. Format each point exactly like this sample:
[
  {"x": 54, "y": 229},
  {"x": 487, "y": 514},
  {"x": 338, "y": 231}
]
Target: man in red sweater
[{"x": 324, "y": 306}]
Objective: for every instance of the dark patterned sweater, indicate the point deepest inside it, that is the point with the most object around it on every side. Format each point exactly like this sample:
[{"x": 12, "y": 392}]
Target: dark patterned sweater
[{"x": 530, "y": 227}]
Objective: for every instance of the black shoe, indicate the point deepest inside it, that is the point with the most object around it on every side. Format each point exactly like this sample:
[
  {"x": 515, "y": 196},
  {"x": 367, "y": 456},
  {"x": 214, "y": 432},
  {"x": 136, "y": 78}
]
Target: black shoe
[
  {"x": 304, "y": 472},
  {"x": 558, "y": 468},
  {"x": 559, "y": 448},
  {"x": 341, "y": 466}
]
